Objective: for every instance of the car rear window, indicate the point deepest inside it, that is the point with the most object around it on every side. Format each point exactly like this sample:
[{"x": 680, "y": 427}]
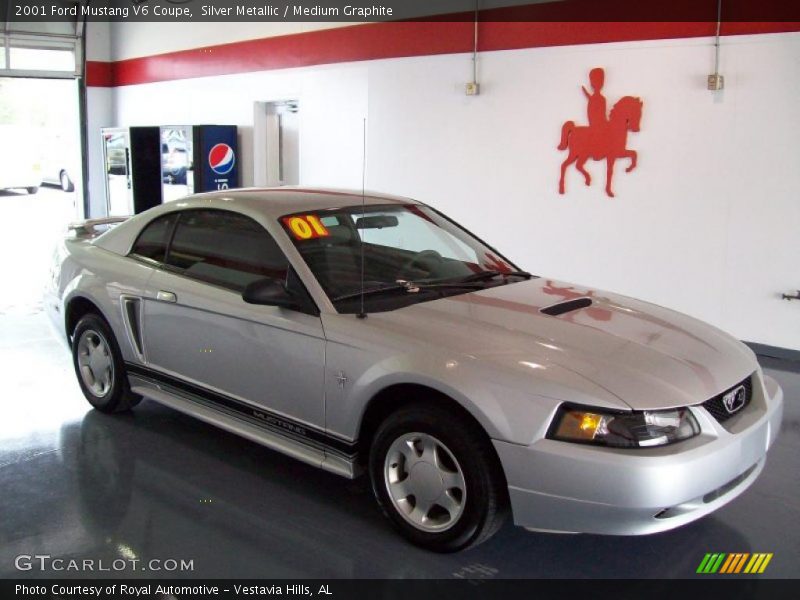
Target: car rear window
[{"x": 152, "y": 241}]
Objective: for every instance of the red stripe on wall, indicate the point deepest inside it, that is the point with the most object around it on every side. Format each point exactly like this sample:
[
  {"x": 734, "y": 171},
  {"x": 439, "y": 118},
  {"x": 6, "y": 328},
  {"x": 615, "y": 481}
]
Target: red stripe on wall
[
  {"x": 394, "y": 40},
  {"x": 99, "y": 74},
  {"x": 345, "y": 44}
]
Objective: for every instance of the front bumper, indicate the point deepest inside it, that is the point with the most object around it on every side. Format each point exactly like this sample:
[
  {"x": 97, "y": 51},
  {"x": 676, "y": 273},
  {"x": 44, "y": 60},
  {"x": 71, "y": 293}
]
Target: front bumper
[{"x": 566, "y": 487}]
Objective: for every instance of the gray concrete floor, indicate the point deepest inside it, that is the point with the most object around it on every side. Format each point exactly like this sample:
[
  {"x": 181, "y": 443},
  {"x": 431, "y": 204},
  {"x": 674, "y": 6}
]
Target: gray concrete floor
[{"x": 154, "y": 484}]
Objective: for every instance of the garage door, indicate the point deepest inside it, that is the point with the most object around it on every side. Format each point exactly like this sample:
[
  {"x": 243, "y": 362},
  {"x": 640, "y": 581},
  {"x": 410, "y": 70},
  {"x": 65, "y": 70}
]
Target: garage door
[{"x": 50, "y": 49}]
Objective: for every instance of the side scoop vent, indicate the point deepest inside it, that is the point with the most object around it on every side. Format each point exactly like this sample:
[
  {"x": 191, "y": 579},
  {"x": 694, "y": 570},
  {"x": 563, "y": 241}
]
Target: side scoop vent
[
  {"x": 131, "y": 308},
  {"x": 561, "y": 308}
]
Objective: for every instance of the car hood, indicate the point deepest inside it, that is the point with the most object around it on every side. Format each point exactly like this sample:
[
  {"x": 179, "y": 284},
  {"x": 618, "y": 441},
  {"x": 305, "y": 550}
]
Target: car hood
[{"x": 647, "y": 356}]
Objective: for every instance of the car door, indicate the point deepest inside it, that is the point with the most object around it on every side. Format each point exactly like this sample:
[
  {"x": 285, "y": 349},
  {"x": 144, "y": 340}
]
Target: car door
[{"x": 200, "y": 334}]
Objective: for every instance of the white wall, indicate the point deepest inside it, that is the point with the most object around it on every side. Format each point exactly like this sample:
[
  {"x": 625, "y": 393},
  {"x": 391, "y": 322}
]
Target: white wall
[
  {"x": 99, "y": 113},
  {"x": 333, "y": 104},
  {"x": 706, "y": 225},
  {"x": 98, "y": 40}
]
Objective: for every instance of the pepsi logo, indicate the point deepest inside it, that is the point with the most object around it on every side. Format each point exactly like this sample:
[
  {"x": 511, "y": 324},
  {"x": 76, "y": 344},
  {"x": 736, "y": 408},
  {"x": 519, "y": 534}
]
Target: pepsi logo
[{"x": 221, "y": 159}]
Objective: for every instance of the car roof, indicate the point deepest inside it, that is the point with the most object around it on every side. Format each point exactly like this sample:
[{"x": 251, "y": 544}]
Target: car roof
[
  {"x": 275, "y": 202},
  {"x": 264, "y": 204}
]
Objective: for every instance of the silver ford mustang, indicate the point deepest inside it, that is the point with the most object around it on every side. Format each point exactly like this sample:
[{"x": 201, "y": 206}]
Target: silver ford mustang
[{"x": 373, "y": 334}]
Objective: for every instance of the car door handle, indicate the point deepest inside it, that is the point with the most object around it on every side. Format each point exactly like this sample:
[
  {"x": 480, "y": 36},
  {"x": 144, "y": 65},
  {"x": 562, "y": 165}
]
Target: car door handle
[
  {"x": 163, "y": 296},
  {"x": 790, "y": 296}
]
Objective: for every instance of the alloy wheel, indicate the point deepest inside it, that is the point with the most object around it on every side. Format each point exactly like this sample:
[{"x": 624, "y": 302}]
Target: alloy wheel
[
  {"x": 425, "y": 482},
  {"x": 95, "y": 362}
]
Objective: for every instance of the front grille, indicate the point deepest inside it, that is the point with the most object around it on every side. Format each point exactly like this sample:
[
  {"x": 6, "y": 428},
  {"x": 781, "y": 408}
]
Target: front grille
[{"x": 716, "y": 406}]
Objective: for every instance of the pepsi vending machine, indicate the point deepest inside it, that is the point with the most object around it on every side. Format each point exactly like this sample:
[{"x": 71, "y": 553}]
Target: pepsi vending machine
[
  {"x": 216, "y": 149},
  {"x": 198, "y": 158}
]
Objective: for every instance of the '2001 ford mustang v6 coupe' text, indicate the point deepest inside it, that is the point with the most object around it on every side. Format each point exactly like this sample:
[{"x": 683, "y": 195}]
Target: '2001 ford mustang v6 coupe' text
[{"x": 370, "y": 333}]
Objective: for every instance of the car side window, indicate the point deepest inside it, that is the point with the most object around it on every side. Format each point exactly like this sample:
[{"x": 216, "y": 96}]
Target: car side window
[
  {"x": 225, "y": 248},
  {"x": 153, "y": 239}
]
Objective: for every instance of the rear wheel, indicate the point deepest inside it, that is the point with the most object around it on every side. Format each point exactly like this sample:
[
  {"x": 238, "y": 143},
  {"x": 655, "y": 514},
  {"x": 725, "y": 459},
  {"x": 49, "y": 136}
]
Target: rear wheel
[
  {"x": 32, "y": 190},
  {"x": 99, "y": 366},
  {"x": 66, "y": 182},
  {"x": 437, "y": 478}
]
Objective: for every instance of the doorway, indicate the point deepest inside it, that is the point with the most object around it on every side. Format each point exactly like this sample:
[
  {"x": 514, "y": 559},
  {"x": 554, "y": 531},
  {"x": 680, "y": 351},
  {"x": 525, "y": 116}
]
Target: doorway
[
  {"x": 41, "y": 180},
  {"x": 276, "y": 151}
]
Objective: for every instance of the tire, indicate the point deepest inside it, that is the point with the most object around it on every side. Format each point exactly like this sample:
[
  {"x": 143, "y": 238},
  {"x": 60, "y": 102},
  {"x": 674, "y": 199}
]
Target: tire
[
  {"x": 32, "y": 190},
  {"x": 99, "y": 366},
  {"x": 66, "y": 182},
  {"x": 460, "y": 447}
]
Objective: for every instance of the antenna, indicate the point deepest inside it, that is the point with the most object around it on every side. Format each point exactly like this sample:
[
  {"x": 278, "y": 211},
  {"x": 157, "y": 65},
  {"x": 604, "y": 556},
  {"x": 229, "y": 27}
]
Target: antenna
[{"x": 362, "y": 314}]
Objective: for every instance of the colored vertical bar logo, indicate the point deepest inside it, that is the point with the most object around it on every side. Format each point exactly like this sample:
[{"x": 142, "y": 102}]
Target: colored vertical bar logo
[{"x": 733, "y": 563}]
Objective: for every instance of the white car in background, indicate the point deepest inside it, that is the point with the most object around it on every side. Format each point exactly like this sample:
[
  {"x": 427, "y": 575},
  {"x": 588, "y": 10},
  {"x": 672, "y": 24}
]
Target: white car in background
[
  {"x": 20, "y": 163},
  {"x": 60, "y": 165},
  {"x": 57, "y": 174}
]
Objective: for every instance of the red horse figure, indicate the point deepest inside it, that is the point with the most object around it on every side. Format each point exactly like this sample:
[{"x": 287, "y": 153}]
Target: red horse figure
[{"x": 604, "y": 141}]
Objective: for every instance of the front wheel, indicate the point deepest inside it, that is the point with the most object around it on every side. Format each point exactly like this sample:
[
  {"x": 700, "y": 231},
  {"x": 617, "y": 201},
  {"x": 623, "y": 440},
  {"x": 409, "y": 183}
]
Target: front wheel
[
  {"x": 99, "y": 366},
  {"x": 437, "y": 478},
  {"x": 32, "y": 189}
]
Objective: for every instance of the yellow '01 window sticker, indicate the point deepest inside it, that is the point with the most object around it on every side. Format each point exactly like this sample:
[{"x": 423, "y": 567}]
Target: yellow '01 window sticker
[{"x": 305, "y": 227}]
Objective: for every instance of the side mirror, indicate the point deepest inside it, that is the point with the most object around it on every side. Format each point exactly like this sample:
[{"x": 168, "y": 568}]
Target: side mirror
[{"x": 269, "y": 292}]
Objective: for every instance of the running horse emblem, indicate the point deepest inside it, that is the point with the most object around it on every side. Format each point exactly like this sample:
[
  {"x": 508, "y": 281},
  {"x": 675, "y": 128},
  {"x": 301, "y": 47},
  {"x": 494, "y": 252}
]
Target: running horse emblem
[{"x": 604, "y": 137}]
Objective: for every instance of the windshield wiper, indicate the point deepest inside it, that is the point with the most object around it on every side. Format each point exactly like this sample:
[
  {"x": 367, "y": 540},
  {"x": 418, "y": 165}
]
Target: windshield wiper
[
  {"x": 371, "y": 291},
  {"x": 410, "y": 287},
  {"x": 492, "y": 274}
]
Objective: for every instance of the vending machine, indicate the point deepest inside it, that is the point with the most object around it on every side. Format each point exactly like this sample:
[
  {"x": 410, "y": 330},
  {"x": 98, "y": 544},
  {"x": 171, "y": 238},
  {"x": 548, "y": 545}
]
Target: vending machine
[
  {"x": 146, "y": 166},
  {"x": 198, "y": 158},
  {"x": 133, "y": 169}
]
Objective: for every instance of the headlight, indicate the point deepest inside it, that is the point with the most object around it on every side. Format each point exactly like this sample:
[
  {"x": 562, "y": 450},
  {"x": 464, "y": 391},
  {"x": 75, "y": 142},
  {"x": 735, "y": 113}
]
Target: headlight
[{"x": 641, "y": 429}]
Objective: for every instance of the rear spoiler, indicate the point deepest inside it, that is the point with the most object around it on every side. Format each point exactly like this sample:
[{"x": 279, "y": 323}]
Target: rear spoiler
[{"x": 87, "y": 228}]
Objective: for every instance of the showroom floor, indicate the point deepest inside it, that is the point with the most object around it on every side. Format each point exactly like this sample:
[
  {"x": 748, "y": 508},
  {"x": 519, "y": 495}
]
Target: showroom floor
[{"x": 155, "y": 484}]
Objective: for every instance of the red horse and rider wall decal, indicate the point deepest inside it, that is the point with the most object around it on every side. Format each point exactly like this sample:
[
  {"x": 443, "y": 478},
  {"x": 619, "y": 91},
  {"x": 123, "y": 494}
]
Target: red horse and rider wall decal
[{"x": 605, "y": 137}]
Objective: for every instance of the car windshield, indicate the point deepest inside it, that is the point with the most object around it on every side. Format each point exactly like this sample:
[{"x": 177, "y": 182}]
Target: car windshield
[{"x": 411, "y": 254}]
